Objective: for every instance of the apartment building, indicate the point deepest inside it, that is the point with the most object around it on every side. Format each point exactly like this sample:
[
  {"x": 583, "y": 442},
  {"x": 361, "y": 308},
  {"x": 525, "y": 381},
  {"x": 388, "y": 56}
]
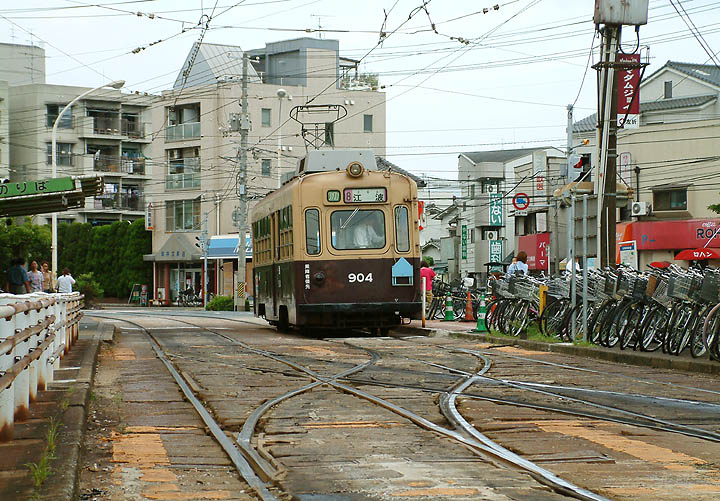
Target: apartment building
[
  {"x": 671, "y": 162},
  {"x": 4, "y": 132},
  {"x": 107, "y": 133},
  {"x": 198, "y": 145}
]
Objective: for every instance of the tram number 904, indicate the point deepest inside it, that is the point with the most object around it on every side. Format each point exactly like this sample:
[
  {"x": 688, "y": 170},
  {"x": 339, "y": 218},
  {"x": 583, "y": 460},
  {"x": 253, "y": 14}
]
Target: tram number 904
[{"x": 359, "y": 277}]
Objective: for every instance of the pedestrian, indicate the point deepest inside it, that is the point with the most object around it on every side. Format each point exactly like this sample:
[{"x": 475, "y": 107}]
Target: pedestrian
[
  {"x": 47, "y": 285},
  {"x": 429, "y": 274},
  {"x": 18, "y": 281},
  {"x": 65, "y": 282},
  {"x": 520, "y": 266},
  {"x": 36, "y": 277}
]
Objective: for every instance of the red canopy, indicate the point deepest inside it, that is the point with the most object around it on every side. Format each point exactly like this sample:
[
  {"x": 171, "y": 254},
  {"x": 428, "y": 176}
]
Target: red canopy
[
  {"x": 698, "y": 254},
  {"x": 660, "y": 264}
]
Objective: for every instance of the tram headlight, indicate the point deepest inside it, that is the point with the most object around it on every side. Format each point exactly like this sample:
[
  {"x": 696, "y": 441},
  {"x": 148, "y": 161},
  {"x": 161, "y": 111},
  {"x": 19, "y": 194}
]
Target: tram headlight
[{"x": 355, "y": 169}]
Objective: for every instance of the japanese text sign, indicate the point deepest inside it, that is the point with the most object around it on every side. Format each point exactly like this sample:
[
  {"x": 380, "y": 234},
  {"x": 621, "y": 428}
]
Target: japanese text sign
[
  {"x": 628, "y": 82},
  {"x": 496, "y": 209}
]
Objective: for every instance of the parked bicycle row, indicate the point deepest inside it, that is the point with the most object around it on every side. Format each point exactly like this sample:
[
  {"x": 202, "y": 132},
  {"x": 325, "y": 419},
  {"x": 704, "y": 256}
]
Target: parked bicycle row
[{"x": 673, "y": 309}]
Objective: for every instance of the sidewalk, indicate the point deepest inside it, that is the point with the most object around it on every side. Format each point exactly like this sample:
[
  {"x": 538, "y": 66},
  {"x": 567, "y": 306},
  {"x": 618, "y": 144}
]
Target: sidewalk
[
  {"x": 657, "y": 359},
  {"x": 64, "y": 403}
]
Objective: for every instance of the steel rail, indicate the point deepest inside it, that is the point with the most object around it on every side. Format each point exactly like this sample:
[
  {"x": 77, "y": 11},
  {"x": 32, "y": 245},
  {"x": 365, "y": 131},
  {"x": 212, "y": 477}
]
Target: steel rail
[
  {"x": 496, "y": 454},
  {"x": 241, "y": 465}
]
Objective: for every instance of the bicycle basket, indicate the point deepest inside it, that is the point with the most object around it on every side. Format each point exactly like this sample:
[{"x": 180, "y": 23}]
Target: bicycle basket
[
  {"x": 660, "y": 293},
  {"x": 623, "y": 284},
  {"x": 640, "y": 285},
  {"x": 710, "y": 287},
  {"x": 680, "y": 287},
  {"x": 651, "y": 285},
  {"x": 557, "y": 287},
  {"x": 610, "y": 285}
]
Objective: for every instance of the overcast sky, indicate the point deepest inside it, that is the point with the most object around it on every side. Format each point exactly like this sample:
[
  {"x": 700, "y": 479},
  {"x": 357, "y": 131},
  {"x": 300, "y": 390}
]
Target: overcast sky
[{"x": 507, "y": 89}]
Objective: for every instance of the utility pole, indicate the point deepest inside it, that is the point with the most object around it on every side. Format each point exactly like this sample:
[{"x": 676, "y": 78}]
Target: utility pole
[
  {"x": 202, "y": 244},
  {"x": 605, "y": 181},
  {"x": 242, "y": 187}
]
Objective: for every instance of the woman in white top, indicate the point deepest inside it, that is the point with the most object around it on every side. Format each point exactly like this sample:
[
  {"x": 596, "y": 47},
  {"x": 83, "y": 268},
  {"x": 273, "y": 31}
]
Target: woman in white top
[
  {"x": 519, "y": 266},
  {"x": 65, "y": 282}
]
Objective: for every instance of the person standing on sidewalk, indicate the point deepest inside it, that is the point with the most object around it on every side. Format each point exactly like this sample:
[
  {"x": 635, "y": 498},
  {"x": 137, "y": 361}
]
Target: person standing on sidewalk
[
  {"x": 36, "y": 277},
  {"x": 47, "y": 285},
  {"x": 427, "y": 273},
  {"x": 18, "y": 281},
  {"x": 65, "y": 282}
]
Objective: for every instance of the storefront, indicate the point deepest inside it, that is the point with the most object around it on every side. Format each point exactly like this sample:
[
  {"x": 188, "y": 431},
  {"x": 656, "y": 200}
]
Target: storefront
[
  {"x": 658, "y": 241},
  {"x": 224, "y": 251},
  {"x": 536, "y": 247},
  {"x": 177, "y": 266}
]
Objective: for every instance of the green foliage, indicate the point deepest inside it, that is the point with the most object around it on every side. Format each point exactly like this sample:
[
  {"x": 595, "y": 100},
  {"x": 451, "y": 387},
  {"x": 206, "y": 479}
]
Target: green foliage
[
  {"x": 112, "y": 253},
  {"x": 220, "y": 303},
  {"x": 715, "y": 208},
  {"x": 429, "y": 260},
  {"x": 363, "y": 80},
  {"x": 86, "y": 284}
]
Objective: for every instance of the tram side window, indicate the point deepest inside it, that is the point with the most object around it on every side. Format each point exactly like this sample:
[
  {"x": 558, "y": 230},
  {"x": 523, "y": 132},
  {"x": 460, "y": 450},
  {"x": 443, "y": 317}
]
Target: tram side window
[
  {"x": 312, "y": 231},
  {"x": 285, "y": 235},
  {"x": 261, "y": 245},
  {"x": 402, "y": 229},
  {"x": 357, "y": 229}
]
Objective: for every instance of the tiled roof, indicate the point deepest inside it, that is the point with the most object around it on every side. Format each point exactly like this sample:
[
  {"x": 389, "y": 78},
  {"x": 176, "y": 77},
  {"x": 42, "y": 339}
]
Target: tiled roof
[
  {"x": 706, "y": 72},
  {"x": 589, "y": 123},
  {"x": 383, "y": 163},
  {"x": 498, "y": 155}
]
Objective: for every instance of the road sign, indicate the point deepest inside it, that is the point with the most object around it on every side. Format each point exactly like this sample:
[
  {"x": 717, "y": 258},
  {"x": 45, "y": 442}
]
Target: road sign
[{"x": 521, "y": 201}]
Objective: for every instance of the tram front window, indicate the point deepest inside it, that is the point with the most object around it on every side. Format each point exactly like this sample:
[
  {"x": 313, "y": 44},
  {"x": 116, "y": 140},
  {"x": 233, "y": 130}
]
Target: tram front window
[{"x": 357, "y": 229}]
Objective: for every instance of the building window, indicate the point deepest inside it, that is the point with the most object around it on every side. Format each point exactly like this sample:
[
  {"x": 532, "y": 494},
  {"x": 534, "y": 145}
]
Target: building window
[
  {"x": 668, "y": 89},
  {"x": 471, "y": 235},
  {"x": 670, "y": 199},
  {"x": 330, "y": 134},
  {"x": 266, "y": 120},
  {"x": 64, "y": 154},
  {"x": 183, "y": 122},
  {"x": 52, "y": 114},
  {"x": 367, "y": 123},
  {"x": 182, "y": 215},
  {"x": 472, "y": 191},
  {"x": 265, "y": 167}
]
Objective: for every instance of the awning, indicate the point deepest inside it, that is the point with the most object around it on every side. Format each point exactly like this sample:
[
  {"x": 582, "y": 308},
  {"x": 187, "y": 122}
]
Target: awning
[
  {"x": 698, "y": 254},
  {"x": 176, "y": 248},
  {"x": 27, "y": 198},
  {"x": 226, "y": 247}
]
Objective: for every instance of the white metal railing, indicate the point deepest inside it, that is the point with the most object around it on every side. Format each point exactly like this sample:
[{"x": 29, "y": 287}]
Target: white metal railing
[
  {"x": 182, "y": 131},
  {"x": 36, "y": 330}
]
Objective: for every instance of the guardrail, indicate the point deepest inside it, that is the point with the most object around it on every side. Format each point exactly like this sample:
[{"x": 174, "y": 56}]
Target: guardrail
[{"x": 36, "y": 331}]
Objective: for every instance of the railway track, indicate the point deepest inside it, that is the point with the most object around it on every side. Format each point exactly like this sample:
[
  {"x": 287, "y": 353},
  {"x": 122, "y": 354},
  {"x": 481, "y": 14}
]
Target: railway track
[{"x": 377, "y": 365}]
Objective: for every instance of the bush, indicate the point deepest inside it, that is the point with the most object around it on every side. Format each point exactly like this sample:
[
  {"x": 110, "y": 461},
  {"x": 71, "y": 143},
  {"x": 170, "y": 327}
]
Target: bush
[
  {"x": 88, "y": 286},
  {"x": 429, "y": 260},
  {"x": 220, "y": 303}
]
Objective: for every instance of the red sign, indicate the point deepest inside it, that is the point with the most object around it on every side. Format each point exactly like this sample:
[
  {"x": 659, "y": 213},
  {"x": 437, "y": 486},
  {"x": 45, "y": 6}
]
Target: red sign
[
  {"x": 697, "y": 254},
  {"x": 674, "y": 235},
  {"x": 540, "y": 183},
  {"x": 536, "y": 247},
  {"x": 521, "y": 201},
  {"x": 628, "y": 86}
]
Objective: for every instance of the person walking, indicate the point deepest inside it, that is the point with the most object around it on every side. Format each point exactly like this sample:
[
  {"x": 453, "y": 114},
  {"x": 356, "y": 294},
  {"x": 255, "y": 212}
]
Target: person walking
[
  {"x": 65, "y": 282},
  {"x": 429, "y": 274},
  {"x": 47, "y": 285},
  {"x": 36, "y": 277},
  {"x": 18, "y": 281}
]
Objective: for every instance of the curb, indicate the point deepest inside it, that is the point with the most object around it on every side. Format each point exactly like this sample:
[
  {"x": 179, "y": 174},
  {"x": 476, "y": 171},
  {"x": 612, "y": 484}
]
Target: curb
[
  {"x": 609, "y": 355},
  {"x": 62, "y": 484}
]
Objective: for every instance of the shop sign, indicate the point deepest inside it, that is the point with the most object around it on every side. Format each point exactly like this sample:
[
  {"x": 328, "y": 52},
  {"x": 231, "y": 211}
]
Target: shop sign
[
  {"x": 464, "y": 241},
  {"x": 673, "y": 235},
  {"x": 149, "y": 216},
  {"x": 24, "y": 188},
  {"x": 628, "y": 111},
  {"x": 537, "y": 247},
  {"x": 495, "y": 254},
  {"x": 628, "y": 254},
  {"x": 496, "y": 209}
]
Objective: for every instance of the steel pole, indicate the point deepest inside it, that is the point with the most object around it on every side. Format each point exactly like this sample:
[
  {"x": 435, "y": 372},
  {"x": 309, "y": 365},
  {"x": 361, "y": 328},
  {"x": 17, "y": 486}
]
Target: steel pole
[
  {"x": 571, "y": 263},
  {"x": 585, "y": 269}
]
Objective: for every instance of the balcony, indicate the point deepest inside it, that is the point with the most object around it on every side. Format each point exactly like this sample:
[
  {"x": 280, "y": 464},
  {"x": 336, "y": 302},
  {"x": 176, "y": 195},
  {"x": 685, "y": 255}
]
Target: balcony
[
  {"x": 134, "y": 130},
  {"x": 108, "y": 128},
  {"x": 120, "y": 165},
  {"x": 120, "y": 201},
  {"x": 183, "y": 174},
  {"x": 180, "y": 132}
]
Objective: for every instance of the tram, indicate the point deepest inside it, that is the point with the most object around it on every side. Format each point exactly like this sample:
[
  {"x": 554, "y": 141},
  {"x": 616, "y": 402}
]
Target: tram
[{"x": 337, "y": 246}]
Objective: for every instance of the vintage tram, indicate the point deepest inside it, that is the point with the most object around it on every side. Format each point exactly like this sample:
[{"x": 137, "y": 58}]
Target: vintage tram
[{"x": 337, "y": 246}]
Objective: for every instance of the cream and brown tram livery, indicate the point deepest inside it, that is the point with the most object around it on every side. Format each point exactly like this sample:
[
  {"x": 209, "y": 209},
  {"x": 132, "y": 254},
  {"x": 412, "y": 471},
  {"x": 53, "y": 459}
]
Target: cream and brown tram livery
[{"x": 337, "y": 246}]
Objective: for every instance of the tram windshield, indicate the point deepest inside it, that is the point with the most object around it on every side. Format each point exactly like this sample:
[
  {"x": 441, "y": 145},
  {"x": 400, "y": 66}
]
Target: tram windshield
[{"x": 357, "y": 229}]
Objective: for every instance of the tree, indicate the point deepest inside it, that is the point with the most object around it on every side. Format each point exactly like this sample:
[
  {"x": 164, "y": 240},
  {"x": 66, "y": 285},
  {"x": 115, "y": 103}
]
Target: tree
[{"x": 715, "y": 208}]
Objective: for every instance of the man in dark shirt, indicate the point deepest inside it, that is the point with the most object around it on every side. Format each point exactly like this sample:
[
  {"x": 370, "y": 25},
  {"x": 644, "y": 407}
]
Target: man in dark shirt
[{"x": 18, "y": 281}]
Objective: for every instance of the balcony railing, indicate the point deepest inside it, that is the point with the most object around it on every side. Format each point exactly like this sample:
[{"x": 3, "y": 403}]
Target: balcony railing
[
  {"x": 122, "y": 201},
  {"x": 183, "y": 181},
  {"x": 182, "y": 131},
  {"x": 132, "y": 128},
  {"x": 123, "y": 165},
  {"x": 106, "y": 126}
]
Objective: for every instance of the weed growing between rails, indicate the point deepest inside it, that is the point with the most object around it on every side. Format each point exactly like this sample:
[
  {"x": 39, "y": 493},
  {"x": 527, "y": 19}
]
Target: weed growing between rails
[{"x": 41, "y": 470}]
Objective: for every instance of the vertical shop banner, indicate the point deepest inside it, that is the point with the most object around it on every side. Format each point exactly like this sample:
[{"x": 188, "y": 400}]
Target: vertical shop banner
[
  {"x": 496, "y": 209},
  {"x": 539, "y": 171},
  {"x": 464, "y": 241},
  {"x": 628, "y": 82},
  {"x": 624, "y": 171},
  {"x": 496, "y": 254}
]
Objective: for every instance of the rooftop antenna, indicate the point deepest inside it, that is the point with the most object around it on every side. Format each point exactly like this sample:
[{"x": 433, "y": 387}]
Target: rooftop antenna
[{"x": 319, "y": 19}]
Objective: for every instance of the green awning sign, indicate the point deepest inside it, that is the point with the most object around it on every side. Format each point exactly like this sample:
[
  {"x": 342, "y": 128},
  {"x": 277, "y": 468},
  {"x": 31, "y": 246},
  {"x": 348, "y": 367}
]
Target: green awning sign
[{"x": 25, "y": 188}]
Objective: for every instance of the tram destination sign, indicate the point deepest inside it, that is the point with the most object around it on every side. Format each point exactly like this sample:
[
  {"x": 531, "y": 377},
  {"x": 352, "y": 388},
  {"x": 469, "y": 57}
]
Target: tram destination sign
[{"x": 365, "y": 195}]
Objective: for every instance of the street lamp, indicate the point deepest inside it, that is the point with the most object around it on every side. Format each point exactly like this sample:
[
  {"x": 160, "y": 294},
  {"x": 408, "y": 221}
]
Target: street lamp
[
  {"x": 117, "y": 84},
  {"x": 281, "y": 93}
]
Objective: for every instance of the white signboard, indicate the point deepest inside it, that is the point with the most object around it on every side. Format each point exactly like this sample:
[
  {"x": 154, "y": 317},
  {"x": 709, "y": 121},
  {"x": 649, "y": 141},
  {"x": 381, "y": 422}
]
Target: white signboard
[
  {"x": 628, "y": 254},
  {"x": 149, "y": 216}
]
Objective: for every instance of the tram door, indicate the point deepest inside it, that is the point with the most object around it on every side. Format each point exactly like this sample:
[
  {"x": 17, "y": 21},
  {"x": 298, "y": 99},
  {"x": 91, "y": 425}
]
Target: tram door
[{"x": 275, "y": 267}]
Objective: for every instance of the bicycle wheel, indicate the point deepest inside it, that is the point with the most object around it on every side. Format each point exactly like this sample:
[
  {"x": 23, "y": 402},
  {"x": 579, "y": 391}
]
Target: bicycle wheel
[
  {"x": 676, "y": 332},
  {"x": 597, "y": 321},
  {"x": 697, "y": 345},
  {"x": 552, "y": 317},
  {"x": 711, "y": 333},
  {"x": 520, "y": 318},
  {"x": 628, "y": 334},
  {"x": 652, "y": 330}
]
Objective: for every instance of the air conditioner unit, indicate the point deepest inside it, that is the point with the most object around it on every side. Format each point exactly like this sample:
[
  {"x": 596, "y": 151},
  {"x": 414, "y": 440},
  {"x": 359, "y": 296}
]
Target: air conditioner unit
[
  {"x": 491, "y": 188},
  {"x": 491, "y": 235},
  {"x": 640, "y": 208}
]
